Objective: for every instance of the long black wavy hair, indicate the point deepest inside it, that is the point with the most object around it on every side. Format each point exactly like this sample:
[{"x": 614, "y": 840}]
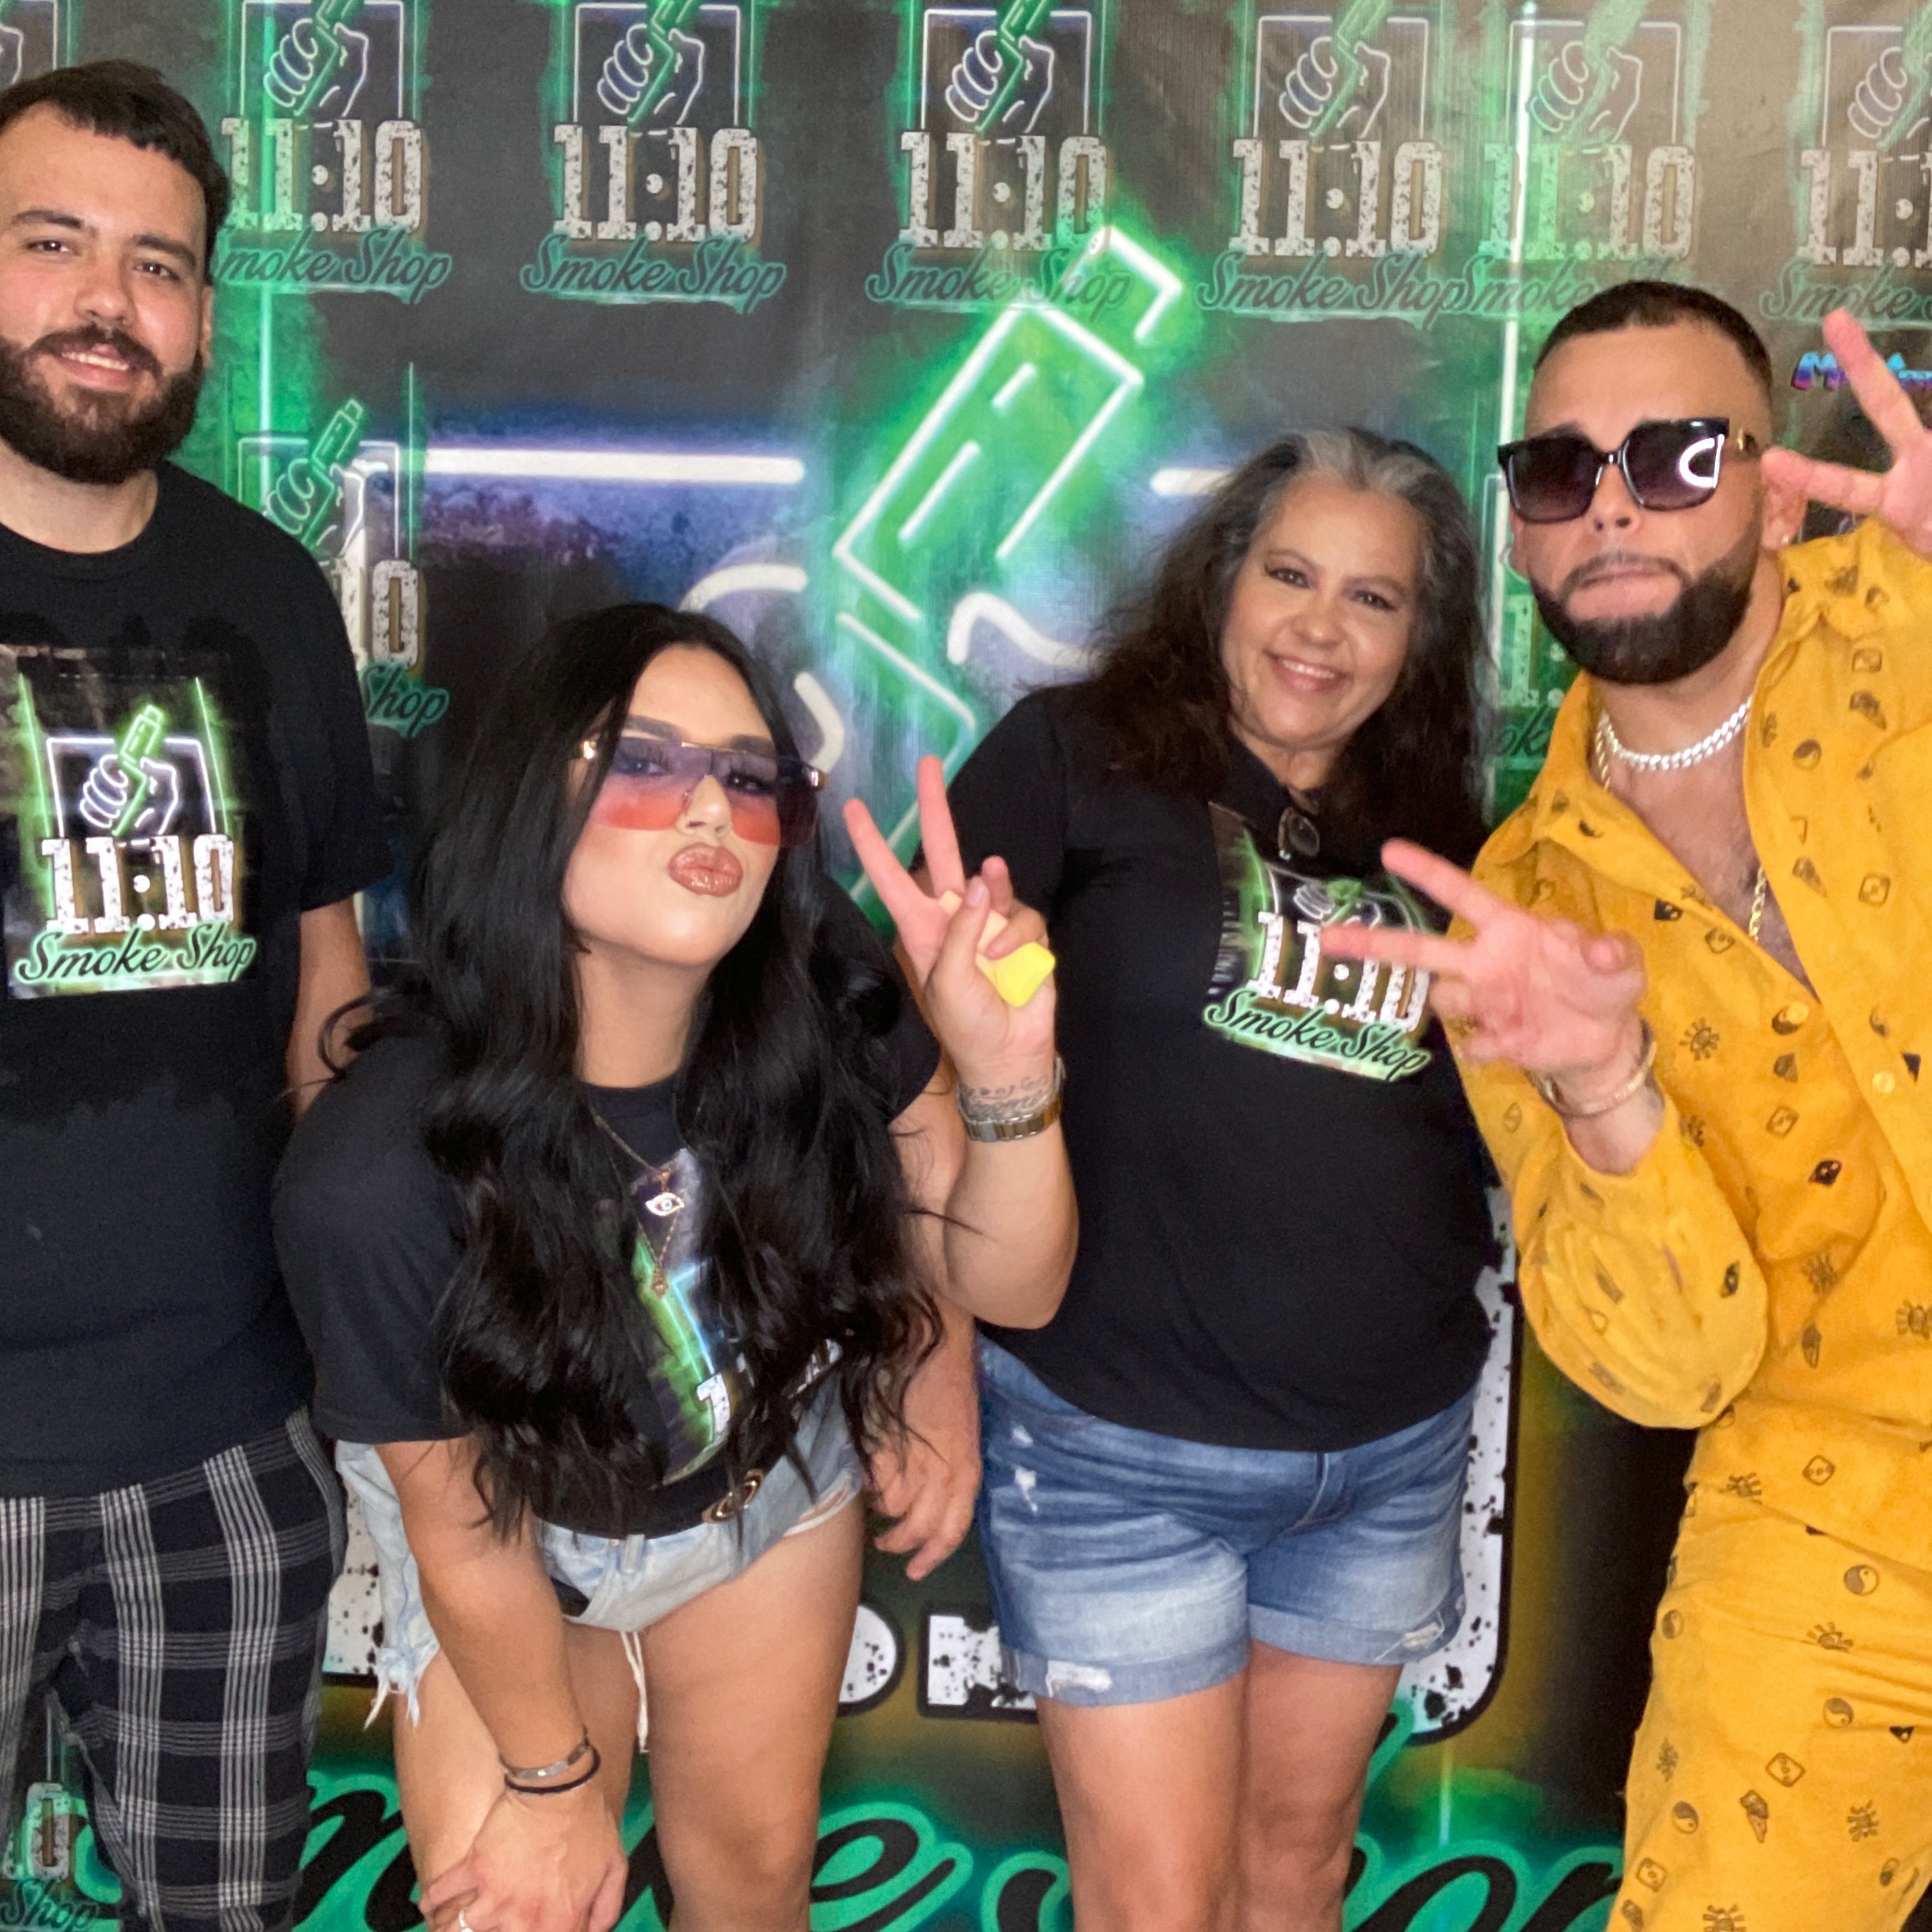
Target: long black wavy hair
[
  {"x": 785, "y": 1097},
  {"x": 1162, "y": 695}
]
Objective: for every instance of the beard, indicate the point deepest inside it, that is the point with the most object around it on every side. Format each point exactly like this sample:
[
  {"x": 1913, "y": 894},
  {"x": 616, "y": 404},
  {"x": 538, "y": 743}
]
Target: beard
[
  {"x": 97, "y": 439},
  {"x": 1666, "y": 644}
]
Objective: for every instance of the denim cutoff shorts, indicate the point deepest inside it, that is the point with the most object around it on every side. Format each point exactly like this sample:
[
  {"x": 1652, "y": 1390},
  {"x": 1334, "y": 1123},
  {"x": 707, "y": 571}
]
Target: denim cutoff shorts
[
  {"x": 630, "y": 1581},
  {"x": 1127, "y": 1566}
]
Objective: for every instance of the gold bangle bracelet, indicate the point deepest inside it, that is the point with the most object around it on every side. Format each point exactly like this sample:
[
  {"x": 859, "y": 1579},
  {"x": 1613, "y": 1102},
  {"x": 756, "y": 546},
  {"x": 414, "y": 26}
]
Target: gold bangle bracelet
[{"x": 1646, "y": 1060}]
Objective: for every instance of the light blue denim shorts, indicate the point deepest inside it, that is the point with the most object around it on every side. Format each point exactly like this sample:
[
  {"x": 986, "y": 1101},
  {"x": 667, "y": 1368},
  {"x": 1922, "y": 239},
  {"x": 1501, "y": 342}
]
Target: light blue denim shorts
[
  {"x": 630, "y": 1581},
  {"x": 1127, "y": 1566}
]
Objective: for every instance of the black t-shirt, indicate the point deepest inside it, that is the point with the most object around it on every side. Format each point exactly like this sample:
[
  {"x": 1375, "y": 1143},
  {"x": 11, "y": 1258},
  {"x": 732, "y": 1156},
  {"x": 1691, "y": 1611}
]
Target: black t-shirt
[
  {"x": 370, "y": 1231},
  {"x": 1282, "y": 1214},
  {"x": 185, "y": 770}
]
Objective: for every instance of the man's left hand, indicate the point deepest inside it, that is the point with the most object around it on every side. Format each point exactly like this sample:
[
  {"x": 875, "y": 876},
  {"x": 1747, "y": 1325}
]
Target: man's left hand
[{"x": 1901, "y": 495}]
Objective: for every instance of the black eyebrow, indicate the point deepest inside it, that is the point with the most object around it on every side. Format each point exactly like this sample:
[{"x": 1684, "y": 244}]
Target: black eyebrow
[
  {"x": 1359, "y": 579},
  {"x": 58, "y": 218},
  {"x": 161, "y": 244},
  {"x": 745, "y": 742}
]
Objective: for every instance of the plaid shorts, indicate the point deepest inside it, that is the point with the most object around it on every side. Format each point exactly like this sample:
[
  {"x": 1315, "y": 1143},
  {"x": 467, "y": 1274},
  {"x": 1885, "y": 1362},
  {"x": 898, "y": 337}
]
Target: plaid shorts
[{"x": 179, "y": 1626}]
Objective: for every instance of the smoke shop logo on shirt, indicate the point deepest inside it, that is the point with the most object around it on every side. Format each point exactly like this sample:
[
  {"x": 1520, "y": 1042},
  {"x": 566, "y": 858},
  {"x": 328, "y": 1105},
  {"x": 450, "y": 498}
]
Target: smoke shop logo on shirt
[
  {"x": 658, "y": 173},
  {"x": 692, "y": 1370},
  {"x": 1274, "y": 990},
  {"x": 1861, "y": 189},
  {"x": 130, "y": 869},
  {"x": 1006, "y": 170},
  {"x": 326, "y": 150}
]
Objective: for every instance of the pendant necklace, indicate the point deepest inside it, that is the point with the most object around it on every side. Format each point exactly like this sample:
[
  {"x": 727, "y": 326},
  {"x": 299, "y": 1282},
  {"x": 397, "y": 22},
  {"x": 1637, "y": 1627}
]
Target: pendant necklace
[
  {"x": 1296, "y": 836},
  {"x": 666, "y": 1202}
]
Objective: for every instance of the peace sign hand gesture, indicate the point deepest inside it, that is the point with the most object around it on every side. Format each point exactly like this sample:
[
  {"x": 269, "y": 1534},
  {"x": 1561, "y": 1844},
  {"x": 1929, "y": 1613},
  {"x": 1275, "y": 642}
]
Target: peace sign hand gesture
[
  {"x": 1902, "y": 496},
  {"x": 946, "y": 934},
  {"x": 1543, "y": 994}
]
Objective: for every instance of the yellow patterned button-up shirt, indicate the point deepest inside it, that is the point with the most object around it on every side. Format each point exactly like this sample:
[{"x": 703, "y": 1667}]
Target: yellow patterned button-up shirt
[{"x": 1765, "y": 1274}]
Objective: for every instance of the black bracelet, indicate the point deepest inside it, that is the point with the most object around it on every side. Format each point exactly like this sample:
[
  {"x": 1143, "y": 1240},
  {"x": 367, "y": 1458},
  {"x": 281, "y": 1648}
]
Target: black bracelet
[
  {"x": 540, "y": 1772},
  {"x": 576, "y": 1783}
]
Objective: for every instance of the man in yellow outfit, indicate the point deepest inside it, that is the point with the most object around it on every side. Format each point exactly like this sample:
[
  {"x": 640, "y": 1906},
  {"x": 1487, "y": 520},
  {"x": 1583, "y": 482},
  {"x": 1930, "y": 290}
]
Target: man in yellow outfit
[{"x": 1691, "y": 989}]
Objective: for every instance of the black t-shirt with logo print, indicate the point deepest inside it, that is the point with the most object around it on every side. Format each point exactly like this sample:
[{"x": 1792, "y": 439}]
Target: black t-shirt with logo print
[
  {"x": 371, "y": 1235},
  {"x": 1282, "y": 1210},
  {"x": 184, "y": 770}
]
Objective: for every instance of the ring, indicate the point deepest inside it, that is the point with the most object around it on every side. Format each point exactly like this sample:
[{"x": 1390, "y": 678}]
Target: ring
[{"x": 463, "y": 1923}]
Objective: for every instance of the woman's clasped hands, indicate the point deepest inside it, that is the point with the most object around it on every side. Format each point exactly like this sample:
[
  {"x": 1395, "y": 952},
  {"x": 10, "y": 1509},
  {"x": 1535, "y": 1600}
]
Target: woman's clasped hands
[{"x": 542, "y": 1862}]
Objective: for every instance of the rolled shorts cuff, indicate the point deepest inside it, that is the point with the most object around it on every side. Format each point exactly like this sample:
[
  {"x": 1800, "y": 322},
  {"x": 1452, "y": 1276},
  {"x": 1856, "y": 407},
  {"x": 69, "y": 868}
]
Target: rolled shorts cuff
[
  {"x": 1349, "y": 1643},
  {"x": 1067, "y": 1682}
]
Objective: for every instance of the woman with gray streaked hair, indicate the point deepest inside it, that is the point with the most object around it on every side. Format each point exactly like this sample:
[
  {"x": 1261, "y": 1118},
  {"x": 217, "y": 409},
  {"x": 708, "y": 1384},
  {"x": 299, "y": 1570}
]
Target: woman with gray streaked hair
[{"x": 1224, "y": 1487}]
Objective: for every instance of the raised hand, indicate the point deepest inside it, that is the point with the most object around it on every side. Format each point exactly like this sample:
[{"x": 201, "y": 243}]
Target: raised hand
[
  {"x": 944, "y": 932},
  {"x": 1901, "y": 495},
  {"x": 1541, "y": 993}
]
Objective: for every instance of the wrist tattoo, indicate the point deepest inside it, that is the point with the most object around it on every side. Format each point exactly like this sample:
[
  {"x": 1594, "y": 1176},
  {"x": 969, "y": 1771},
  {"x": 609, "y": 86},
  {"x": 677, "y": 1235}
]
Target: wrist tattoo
[
  {"x": 1015, "y": 1112},
  {"x": 1009, "y": 1103}
]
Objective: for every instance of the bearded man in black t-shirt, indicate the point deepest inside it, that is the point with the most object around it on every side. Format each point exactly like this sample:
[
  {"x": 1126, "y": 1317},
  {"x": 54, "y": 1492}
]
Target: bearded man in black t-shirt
[{"x": 186, "y": 812}]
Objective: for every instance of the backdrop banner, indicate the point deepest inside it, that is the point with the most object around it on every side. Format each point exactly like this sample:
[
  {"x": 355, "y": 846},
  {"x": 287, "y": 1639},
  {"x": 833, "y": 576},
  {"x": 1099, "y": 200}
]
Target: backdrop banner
[{"x": 898, "y": 334}]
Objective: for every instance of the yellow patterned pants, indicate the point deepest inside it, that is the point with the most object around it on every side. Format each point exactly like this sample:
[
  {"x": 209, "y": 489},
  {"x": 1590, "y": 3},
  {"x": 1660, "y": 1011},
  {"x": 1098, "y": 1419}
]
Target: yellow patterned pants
[{"x": 1782, "y": 1780}]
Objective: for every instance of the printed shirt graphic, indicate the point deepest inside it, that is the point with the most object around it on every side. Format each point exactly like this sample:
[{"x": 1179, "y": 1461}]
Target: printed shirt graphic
[
  {"x": 1273, "y": 987},
  {"x": 694, "y": 1371},
  {"x": 131, "y": 867},
  {"x": 1765, "y": 1271}
]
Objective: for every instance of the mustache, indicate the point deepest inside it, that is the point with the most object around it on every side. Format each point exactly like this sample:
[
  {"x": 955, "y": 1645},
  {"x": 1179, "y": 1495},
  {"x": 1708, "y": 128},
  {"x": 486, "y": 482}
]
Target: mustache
[
  {"x": 136, "y": 354},
  {"x": 1608, "y": 563}
]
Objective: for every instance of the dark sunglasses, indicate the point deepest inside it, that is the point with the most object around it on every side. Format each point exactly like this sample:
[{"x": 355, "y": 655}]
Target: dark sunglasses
[
  {"x": 1665, "y": 465},
  {"x": 774, "y": 800}
]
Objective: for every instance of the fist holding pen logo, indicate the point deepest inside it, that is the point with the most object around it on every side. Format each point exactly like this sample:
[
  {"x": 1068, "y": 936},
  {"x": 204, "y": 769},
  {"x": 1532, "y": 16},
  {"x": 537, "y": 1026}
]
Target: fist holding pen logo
[
  {"x": 320, "y": 65},
  {"x": 130, "y": 793},
  {"x": 1003, "y": 81},
  {"x": 653, "y": 73}
]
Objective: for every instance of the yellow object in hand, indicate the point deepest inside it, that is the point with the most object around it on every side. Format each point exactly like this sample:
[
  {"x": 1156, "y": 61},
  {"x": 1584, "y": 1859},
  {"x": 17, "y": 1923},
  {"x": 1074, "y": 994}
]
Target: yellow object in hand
[{"x": 1021, "y": 973}]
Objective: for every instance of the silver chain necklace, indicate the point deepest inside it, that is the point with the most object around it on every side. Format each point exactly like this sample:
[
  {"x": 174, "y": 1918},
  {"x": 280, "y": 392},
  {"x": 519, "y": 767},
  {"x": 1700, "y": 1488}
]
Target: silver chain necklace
[{"x": 1705, "y": 747}]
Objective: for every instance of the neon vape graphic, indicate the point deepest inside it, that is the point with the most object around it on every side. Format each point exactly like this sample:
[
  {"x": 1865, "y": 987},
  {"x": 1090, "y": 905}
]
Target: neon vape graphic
[
  {"x": 130, "y": 853},
  {"x": 659, "y": 175},
  {"x": 1338, "y": 168},
  {"x": 350, "y": 499},
  {"x": 932, "y": 559},
  {"x": 1601, "y": 165},
  {"x": 326, "y": 149},
  {"x": 1006, "y": 169},
  {"x": 1861, "y": 122}
]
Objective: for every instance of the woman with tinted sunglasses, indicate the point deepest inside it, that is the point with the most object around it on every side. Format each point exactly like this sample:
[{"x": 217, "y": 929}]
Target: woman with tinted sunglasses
[{"x": 620, "y": 1245}]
